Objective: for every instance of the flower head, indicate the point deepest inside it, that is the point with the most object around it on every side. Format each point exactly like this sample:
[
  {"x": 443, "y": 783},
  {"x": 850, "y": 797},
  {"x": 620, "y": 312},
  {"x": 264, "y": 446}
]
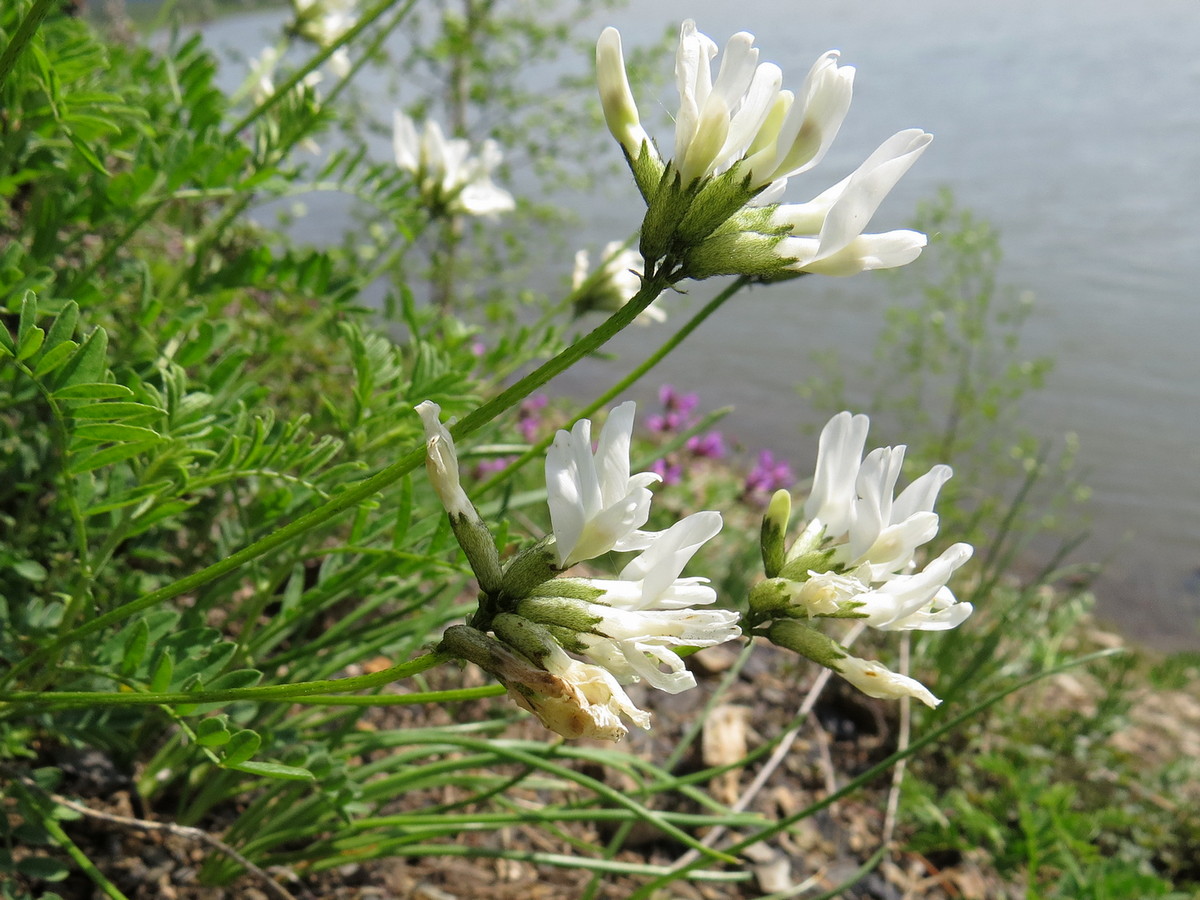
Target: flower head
[
  {"x": 739, "y": 137},
  {"x": 613, "y": 284},
  {"x": 630, "y": 624},
  {"x": 563, "y": 646},
  {"x": 595, "y": 504},
  {"x": 856, "y": 557},
  {"x": 449, "y": 178}
]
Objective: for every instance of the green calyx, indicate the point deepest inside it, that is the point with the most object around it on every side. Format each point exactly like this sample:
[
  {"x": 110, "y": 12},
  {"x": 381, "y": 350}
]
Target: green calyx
[
  {"x": 480, "y": 548},
  {"x": 563, "y": 612},
  {"x": 800, "y": 638},
  {"x": 528, "y": 570}
]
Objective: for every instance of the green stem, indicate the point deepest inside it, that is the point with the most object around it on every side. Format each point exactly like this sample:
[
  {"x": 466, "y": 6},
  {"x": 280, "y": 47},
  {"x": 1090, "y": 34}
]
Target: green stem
[
  {"x": 263, "y": 693},
  {"x": 22, "y": 36},
  {"x": 353, "y": 496},
  {"x": 299, "y": 75},
  {"x": 617, "y": 389},
  {"x": 50, "y": 823}
]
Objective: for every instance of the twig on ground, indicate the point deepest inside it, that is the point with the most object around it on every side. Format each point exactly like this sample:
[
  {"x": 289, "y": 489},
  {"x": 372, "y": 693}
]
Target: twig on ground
[
  {"x": 893, "y": 802},
  {"x": 269, "y": 884},
  {"x": 777, "y": 756}
]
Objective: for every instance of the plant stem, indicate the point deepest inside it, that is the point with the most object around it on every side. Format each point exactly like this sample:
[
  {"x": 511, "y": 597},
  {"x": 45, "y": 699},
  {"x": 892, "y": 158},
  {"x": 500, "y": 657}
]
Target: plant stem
[
  {"x": 617, "y": 389},
  {"x": 267, "y": 692},
  {"x": 22, "y": 36},
  {"x": 299, "y": 75}
]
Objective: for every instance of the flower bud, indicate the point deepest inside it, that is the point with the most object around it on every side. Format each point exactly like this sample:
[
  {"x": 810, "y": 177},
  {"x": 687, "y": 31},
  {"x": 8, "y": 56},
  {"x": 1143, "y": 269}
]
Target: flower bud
[
  {"x": 441, "y": 462},
  {"x": 774, "y": 527}
]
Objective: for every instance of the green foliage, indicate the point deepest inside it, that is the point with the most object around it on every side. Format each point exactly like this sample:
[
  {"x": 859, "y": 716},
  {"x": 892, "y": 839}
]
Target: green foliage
[{"x": 217, "y": 558}]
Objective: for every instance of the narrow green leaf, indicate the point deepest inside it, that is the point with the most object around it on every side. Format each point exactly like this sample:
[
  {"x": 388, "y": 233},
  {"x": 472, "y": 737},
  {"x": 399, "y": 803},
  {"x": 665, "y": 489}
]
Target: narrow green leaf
[
  {"x": 212, "y": 732},
  {"x": 91, "y": 391},
  {"x": 120, "y": 501},
  {"x": 162, "y": 510},
  {"x": 54, "y": 357},
  {"x": 238, "y": 678},
  {"x": 88, "y": 363},
  {"x": 113, "y": 431},
  {"x": 197, "y": 349},
  {"x": 124, "y": 411},
  {"x": 87, "y": 462},
  {"x": 163, "y": 670},
  {"x": 274, "y": 770},
  {"x": 242, "y": 745},
  {"x": 88, "y": 155},
  {"x": 135, "y": 647},
  {"x": 43, "y": 868},
  {"x": 29, "y": 569},
  {"x": 28, "y": 316},
  {"x": 31, "y": 343},
  {"x": 63, "y": 326}
]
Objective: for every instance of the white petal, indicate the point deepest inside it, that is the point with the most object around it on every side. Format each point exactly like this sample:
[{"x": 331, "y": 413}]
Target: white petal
[
  {"x": 921, "y": 495},
  {"x": 839, "y": 452},
  {"x": 406, "y": 143},
  {"x": 867, "y": 187},
  {"x": 752, "y": 112},
  {"x": 867, "y": 252},
  {"x": 616, "y": 98},
  {"x": 612, "y": 453},
  {"x": 875, "y": 486},
  {"x": 660, "y": 565},
  {"x": 876, "y": 680}
]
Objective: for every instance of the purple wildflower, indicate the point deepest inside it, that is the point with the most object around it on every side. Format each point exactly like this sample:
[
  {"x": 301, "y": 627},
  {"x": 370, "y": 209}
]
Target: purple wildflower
[
  {"x": 670, "y": 472},
  {"x": 677, "y": 414},
  {"x": 528, "y": 418},
  {"x": 674, "y": 401},
  {"x": 769, "y": 474},
  {"x": 490, "y": 466},
  {"x": 710, "y": 445}
]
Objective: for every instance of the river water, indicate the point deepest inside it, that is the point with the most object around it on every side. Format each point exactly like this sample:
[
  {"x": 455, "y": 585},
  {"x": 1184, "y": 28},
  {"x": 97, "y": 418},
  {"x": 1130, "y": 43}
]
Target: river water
[{"x": 1075, "y": 129}]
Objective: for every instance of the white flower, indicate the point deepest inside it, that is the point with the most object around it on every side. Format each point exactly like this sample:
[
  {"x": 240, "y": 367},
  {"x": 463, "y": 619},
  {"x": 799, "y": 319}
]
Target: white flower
[
  {"x": 616, "y": 99},
  {"x": 324, "y": 21},
  {"x": 852, "y": 496},
  {"x": 827, "y": 231},
  {"x": 870, "y": 538},
  {"x": 920, "y": 601},
  {"x": 441, "y": 462},
  {"x": 742, "y": 127},
  {"x": 641, "y": 615},
  {"x": 577, "y": 699},
  {"x": 595, "y": 505},
  {"x": 449, "y": 178},
  {"x": 613, "y": 284},
  {"x": 876, "y": 680},
  {"x": 573, "y": 698},
  {"x": 741, "y": 115},
  {"x": 262, "y": 74}
]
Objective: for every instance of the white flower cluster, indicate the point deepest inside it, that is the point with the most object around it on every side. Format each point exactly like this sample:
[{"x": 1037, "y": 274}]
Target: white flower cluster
[
  {"x": 856, "y": 556},
  {"x": 738, "y": 139},
  {"x": 614, "y": 282},
  {"x": 450, "y": 179},
  {"x": 324, "y": 22},
  {"x": 626, "y": 629}
]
